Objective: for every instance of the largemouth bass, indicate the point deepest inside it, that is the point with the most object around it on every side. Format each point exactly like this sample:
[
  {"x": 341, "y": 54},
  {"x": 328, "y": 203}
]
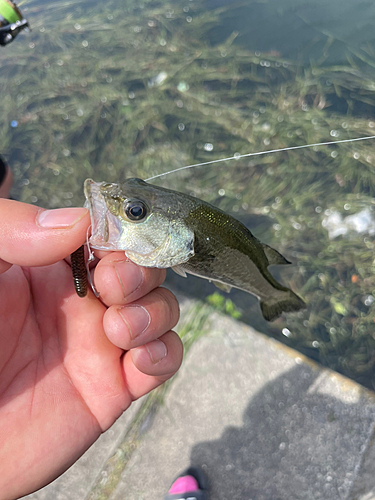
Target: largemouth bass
[{"x": 158, "y": 227}]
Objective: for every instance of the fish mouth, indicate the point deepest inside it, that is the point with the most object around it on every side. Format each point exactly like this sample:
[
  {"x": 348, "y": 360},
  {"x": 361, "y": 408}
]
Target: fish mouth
[{"x": 105, "y": 227}]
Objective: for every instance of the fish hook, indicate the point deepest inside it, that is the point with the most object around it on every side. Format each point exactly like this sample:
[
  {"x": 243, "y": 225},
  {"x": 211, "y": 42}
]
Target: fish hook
[{"x": 90, "y": 258}]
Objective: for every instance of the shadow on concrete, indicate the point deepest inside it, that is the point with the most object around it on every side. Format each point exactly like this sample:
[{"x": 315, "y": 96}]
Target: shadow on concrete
[{"x": 298, "y": 441}]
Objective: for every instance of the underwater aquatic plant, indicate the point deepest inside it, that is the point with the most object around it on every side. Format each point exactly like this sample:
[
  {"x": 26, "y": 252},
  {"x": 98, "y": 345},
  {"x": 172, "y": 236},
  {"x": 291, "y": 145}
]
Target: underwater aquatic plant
[{"x": 109, "y": 92}]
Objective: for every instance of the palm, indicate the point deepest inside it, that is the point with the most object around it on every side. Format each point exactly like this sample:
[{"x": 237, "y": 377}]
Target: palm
[
  {"x": 69, "y": 366},
  {"x": 60, "y": 377}
]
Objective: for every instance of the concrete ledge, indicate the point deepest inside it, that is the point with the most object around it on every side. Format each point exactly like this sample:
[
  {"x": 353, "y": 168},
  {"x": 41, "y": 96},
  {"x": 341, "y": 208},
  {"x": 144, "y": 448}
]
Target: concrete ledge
[{"x": 263, "y": 421}]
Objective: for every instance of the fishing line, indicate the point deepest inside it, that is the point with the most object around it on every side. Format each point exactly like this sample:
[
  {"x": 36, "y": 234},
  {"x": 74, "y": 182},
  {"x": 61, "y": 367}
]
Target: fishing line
[
  {"x": 259, "y": 153},
  {"x": 91, "y": 257}
]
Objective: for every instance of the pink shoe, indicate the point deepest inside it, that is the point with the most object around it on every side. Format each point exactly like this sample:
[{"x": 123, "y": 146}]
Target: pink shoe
[{"x": 189, "y": 485}]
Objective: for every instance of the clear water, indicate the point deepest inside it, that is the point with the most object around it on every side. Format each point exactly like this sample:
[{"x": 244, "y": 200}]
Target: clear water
[{"x": 115, "y": 89}]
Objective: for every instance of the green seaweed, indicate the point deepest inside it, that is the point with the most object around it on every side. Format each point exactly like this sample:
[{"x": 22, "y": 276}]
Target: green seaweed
[{"x": 109, "y": 92}]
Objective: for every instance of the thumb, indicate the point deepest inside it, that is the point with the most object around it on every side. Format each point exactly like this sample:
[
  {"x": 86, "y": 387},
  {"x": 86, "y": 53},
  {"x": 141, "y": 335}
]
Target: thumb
[{"x": 33, "y": 236}]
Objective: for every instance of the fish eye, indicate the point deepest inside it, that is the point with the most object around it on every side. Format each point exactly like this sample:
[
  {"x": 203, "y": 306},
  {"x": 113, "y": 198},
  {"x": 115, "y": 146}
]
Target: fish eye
[{"x": 135, "y": 210}]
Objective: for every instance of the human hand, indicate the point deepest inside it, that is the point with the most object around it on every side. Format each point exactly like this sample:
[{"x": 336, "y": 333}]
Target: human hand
[{"x": 69, "y": 366}]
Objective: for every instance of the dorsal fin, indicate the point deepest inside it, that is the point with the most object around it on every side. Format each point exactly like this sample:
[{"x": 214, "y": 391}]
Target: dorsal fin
[{"x": 274, "y": 257}]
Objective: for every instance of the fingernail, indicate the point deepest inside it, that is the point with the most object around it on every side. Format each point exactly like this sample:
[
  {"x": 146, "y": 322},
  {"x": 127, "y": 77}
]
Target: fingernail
[
  {"x": 136, "y": 318},
  {"x": 157, "y": 350},
  {"x": 60, "y": 218},
  {"x": 129, "y": 275}
]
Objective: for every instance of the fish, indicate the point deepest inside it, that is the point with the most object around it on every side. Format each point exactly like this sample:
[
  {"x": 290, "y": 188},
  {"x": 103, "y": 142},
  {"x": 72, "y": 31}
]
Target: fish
[{"x": 163, "y": 228}]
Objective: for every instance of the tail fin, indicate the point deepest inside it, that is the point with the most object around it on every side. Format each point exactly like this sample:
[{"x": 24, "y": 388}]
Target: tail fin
[{"x": 286, "y": 301}]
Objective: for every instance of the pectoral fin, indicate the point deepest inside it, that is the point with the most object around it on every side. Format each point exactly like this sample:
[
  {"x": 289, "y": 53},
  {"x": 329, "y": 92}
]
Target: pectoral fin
[
  {"x": 274, "y": 257},
  {"x": 180, "y": 271}
]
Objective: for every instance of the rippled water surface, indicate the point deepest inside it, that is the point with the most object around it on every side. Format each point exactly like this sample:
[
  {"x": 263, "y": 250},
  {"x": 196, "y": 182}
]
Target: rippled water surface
[{"x": 116, "y": 89}]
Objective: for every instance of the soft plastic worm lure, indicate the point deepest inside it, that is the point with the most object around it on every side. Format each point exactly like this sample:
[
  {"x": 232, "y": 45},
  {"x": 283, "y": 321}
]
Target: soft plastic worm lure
[
  {"x": 77, "y": 260},
  {"x": 81, "y": 269}
]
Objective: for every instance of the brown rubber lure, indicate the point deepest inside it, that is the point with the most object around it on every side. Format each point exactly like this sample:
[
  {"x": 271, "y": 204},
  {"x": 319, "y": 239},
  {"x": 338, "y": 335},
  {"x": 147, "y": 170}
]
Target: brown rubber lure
[{"x": 79, "y": 271}]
